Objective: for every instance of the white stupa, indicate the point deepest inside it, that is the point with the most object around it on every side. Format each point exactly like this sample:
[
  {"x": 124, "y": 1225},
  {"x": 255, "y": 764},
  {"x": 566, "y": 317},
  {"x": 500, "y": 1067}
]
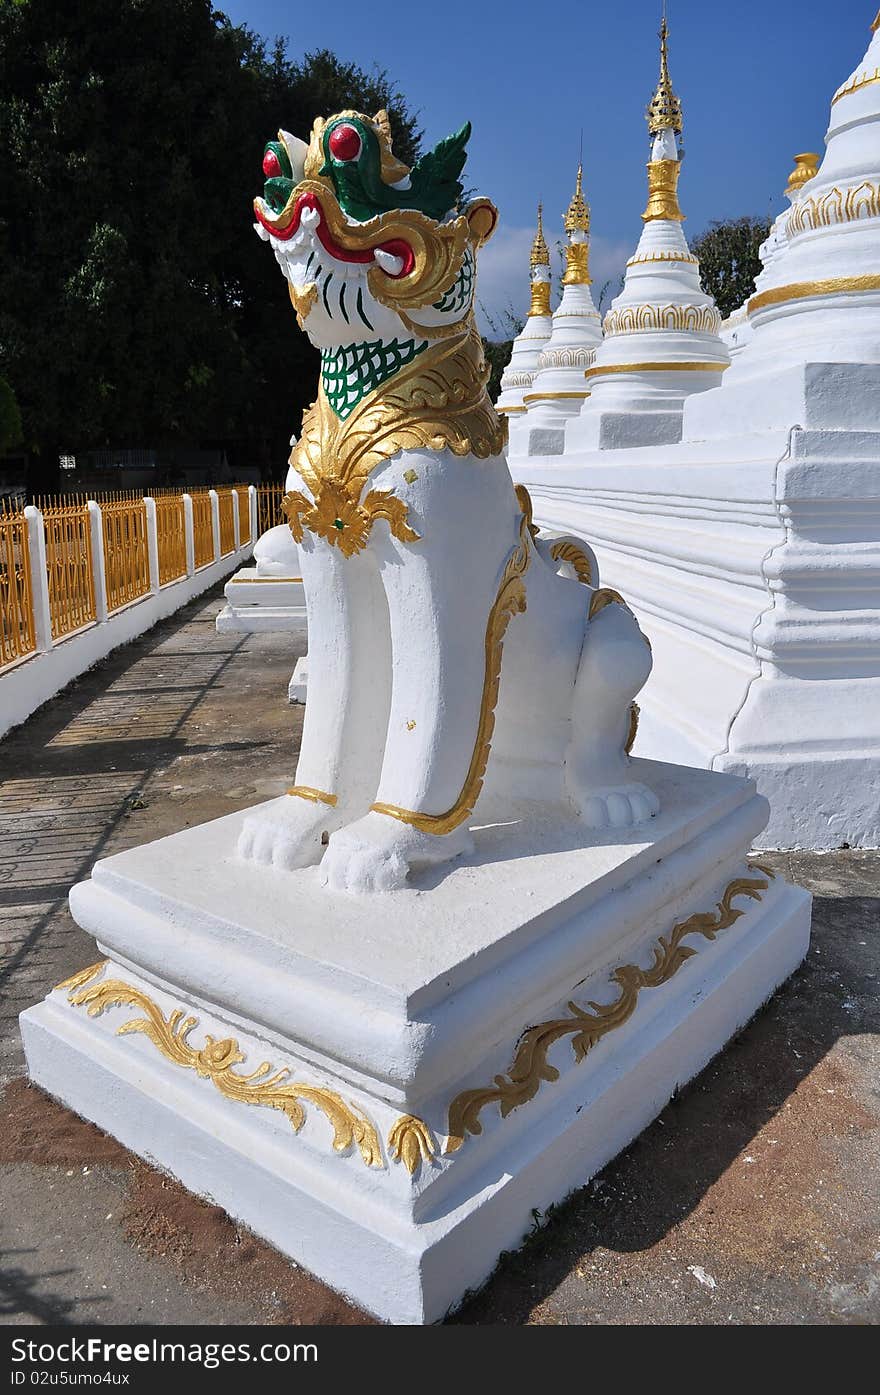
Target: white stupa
[
  {"x": 817, "y": 305},
  {"x": 736, "y": 331},
  {"x": 520, "y": 372},
  {"x": 661, "y": 334},
  {"x": 559, "y": 389}
]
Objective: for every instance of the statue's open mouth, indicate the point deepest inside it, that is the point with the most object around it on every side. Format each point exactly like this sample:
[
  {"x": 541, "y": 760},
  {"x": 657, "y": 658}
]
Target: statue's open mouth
[{"x": 305, "y": 213}]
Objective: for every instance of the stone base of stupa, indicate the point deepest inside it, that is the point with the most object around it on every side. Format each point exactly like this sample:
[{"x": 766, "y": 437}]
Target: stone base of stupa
[
  {"x": 441, "y": 1062},
  {"x": 262, "y": 603},
  {"x": 752, "y": 563},
  {"x": 609, "y": 430}
]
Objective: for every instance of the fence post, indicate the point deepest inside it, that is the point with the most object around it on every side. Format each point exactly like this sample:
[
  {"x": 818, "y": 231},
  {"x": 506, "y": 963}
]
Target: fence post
[
  {"x": 236, "y": 527},
  {"x": 189, "y": 534},
  {"x": 99, "y": 573},
  {"x": 215, "y": 522},
  {"x": 152, "y": 543},
  {"x": 36, "y": 541},
  {"x": 254, "y": 510}
]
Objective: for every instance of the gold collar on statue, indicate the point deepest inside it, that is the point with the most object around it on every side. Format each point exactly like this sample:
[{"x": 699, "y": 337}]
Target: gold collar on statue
[{"x": 437, "y": 401}]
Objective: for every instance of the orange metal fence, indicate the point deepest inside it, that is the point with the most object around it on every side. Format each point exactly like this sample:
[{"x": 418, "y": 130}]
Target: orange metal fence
[
  {"x": 171, "y": 537},
  {"x": 269, "y": 513},
  {"x": 244, "y": 515},
  {"x": 69, "y": 565},
  {"x": 203, "y": 529},
  {"x": 16, "y": 599},
  {"x": 126, "y": 556},
  {"x": 125, "y": 538},
  {"x": 226, "y": 511}
]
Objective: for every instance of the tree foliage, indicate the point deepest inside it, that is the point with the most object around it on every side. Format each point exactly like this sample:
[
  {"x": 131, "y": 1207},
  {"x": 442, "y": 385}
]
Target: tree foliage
[
  {"x": 10, "y": 417},
  {"x": 137, "y": 306},
  {"x": 729, "y": 261}
]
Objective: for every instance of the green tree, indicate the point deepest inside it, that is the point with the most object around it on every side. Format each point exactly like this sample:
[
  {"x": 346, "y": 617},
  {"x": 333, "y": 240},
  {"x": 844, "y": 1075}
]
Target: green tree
[
  {"x": 10, "y": 418},
  {"x": 136, "y": 304},
  {"x": 729, "y": 261}
]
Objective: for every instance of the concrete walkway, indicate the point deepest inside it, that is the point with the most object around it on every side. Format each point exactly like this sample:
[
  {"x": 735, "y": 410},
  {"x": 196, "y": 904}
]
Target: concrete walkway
[{"x": 755, "y": 1198}]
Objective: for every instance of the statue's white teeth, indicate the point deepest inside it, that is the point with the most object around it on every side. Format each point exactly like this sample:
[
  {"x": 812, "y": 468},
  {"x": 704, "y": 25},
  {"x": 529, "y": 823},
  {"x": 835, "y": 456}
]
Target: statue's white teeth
[
  {"x": 388, "y": 262},
  {"x": 308, "y": 217}
]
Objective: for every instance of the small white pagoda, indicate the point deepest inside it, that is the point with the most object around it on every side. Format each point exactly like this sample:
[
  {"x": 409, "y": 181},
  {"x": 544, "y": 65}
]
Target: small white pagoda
[
  {"x": 736, "y": 330},
  {"x": 559, "y": 390},
  {"x": 520, "y": 372},
  {"x": 661, "y": 334}
]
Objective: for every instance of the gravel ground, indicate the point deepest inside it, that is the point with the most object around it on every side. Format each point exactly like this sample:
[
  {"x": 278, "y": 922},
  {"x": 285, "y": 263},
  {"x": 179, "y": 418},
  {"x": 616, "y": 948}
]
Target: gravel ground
[{"x": 754, "y": 1198}]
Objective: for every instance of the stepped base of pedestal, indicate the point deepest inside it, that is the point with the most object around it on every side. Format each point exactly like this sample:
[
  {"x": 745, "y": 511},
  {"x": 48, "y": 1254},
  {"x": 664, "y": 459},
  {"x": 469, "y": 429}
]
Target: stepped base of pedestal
[
  {"x": 445, "y": 1070},
  {"x": 260, "y": 603}
]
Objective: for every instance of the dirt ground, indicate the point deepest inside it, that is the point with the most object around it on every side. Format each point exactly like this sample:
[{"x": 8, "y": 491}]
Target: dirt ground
[{"x": 754, "y": 1198}]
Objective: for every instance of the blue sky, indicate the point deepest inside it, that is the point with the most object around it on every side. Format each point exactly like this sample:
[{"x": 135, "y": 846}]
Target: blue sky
[{"x": 755, "y": 76}]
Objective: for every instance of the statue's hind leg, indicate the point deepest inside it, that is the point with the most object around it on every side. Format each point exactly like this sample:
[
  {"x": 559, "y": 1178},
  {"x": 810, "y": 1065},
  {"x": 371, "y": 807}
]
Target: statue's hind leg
[
  {"x": 346, "y": 710},
  {"x": 614, "y": 666},
  {"x": 441, "y": 591}
]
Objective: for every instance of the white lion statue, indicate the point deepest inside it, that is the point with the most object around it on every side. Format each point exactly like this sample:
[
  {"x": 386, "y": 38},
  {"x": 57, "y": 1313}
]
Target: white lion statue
[{"x": 461, "y": 668}]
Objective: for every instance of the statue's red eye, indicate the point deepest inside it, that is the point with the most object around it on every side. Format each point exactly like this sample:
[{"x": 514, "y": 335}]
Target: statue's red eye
[
  {"x": 344, "y": 143},
  {"x": 271, "y": 165}
]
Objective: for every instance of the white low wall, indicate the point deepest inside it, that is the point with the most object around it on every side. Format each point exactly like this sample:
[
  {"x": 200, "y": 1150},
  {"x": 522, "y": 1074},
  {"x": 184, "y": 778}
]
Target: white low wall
[{"x": 34, "y": 680}]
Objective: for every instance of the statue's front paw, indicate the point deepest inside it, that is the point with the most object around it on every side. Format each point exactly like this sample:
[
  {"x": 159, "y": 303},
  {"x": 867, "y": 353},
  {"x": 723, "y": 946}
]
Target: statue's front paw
[
  {"x": 377, "y": 852},
  {"x": 287, "y": 833},
  {"x": 619, "y": 806}
]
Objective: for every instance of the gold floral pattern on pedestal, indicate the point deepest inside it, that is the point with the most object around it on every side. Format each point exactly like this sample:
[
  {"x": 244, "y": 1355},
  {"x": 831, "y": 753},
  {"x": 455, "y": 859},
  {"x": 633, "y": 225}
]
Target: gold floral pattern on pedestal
[
  {"x": 411, "y": 1142},
  {"x": 215, "y": 1061},
  {"x": 587, "y": 1026}
]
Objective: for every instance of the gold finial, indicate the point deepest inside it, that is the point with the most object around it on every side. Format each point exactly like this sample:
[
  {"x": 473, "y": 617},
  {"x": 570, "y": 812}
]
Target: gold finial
[
  {"x": 806, "y": 166},
  {"x": 539, "y": 261},
  {"x": 664, "y": 112},
  {"x": 577, "y": 225},
  {"x": 577, "y": 219},
  {"x": 540, "y": 255}
]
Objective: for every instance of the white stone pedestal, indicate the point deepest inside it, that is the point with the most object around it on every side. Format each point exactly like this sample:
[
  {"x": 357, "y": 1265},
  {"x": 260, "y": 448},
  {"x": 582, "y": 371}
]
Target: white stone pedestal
[
  {"x": 437, "y": 1066},
  {"x": 261, "y": 603}
]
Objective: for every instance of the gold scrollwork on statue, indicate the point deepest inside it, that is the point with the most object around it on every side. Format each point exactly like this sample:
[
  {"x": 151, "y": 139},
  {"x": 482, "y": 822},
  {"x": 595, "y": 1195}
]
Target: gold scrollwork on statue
[
  {"x": 587, "y": 1026},
  {"x": 570, "y": 551},
  {"x": 509, "y": 601},
  {"x": 302, "y": 298},
  {"x": 215, "y": 1061},
  {"x": 634, "y": 713},
  {"x": 411, "y": 1142},
  {"x": 835, "y": 206},
  {"x": 437, "y": 401},
  {"x": 703, "y": 319}
]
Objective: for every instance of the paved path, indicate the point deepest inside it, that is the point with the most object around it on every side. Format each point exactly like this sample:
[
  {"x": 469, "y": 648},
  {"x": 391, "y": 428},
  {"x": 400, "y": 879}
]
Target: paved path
[{"x": 754, "y": 1198}]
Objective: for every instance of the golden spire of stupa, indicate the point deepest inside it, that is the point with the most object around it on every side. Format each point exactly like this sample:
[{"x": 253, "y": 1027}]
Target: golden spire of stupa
[
  {"x": 577, "y": 225},
  {"x": 539, "y": 261},
  {"x": 664, "y": 111},
  {"x": 664, "y": 114},
  {"x": 540, "y": 255},
  {"x": 876, "y": 25}
]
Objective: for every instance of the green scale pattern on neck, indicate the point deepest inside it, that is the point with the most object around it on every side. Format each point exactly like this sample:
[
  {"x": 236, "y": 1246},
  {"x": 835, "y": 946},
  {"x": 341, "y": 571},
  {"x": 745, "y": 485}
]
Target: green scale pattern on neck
[{"x": 350, "y": 372}]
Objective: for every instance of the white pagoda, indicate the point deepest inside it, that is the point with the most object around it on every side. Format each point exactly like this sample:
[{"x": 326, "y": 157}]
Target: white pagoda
[
  {"x": 661, "y": 334},
  {"x": 520, "y": 372},
  {"x": 559, "y": 389}
]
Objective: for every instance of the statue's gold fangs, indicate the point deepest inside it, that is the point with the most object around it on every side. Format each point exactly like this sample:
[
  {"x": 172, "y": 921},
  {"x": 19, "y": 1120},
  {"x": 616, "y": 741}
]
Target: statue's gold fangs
[{"x": 426, "y": 580}]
